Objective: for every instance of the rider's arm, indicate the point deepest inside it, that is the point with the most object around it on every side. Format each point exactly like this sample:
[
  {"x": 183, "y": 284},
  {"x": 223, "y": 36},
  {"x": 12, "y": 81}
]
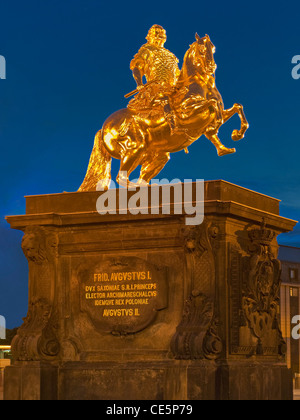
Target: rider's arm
[
  {"x": 137, "y": 66},
  {"x": 138, "y": 76}
]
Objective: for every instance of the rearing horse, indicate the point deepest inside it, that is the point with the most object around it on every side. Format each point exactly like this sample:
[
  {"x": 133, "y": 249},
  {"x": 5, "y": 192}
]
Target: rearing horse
[{"x": 136, "y": 140}]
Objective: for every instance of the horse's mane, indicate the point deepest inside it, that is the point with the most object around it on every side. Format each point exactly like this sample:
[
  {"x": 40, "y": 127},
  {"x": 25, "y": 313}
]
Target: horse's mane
[
  {"x": 191, "y": 50},
  {"x": 188, "y": 56}
]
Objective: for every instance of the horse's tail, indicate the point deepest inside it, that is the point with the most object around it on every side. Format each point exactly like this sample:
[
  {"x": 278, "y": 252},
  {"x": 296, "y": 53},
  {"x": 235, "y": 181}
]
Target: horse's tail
[{"x": 99, "y": 169}]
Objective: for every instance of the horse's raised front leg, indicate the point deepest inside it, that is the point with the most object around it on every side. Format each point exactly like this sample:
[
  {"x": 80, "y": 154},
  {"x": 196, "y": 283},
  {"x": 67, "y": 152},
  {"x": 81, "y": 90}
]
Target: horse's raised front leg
[
  {"x": 221, "y": 149},
  {"x": 228, "y": 113}
]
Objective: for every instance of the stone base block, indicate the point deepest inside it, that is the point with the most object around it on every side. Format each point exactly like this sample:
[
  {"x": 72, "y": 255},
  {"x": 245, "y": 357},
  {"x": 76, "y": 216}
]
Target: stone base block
[
  {"x": 172, "y": 380},
  {"x": 144, "y": 306}
]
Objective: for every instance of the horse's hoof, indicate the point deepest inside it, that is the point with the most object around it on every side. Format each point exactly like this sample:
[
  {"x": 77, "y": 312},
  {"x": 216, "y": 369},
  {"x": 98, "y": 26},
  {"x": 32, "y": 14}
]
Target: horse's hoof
[
  {"x": 123, "y": 182},
  {"x": 226, "y": 151},
  {"x": 236, "y": 135},
  {"x": 102, "y": 185},
  {"x": 142, "y": 183}
]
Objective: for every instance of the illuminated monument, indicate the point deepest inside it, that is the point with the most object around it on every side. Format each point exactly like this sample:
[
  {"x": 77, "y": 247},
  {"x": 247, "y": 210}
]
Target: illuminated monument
[
  {"x": 171, "y": 111},
  {"x": 144, "y": 306}
]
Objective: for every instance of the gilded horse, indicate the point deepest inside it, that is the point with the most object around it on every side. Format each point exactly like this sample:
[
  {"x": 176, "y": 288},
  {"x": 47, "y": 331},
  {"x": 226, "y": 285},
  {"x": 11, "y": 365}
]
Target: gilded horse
[{"x": 136, "y": 139}]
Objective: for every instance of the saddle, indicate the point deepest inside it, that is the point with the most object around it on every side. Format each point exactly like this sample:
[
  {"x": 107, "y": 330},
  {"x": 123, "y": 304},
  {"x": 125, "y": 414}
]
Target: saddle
[{"x": 146, "y": 105}]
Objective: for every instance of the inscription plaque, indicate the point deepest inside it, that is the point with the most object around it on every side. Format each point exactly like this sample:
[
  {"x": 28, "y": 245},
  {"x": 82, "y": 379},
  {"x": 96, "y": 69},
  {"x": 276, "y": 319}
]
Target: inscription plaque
[{"x": 123, "y": 296}]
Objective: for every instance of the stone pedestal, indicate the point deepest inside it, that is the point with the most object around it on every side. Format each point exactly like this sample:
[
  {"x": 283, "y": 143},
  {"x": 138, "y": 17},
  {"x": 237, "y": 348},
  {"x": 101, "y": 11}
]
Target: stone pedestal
[{"x": 143, "y": 306}]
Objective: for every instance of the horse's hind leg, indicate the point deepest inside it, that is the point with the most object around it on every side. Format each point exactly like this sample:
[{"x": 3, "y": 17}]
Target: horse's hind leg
[
  {"x": 128, "y": 164},
  {"x": 152, "y": 167}
]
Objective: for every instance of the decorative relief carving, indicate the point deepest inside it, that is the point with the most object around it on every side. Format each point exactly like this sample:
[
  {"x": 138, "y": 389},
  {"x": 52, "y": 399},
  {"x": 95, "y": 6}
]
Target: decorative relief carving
[
  {"x": 39, "y": 245},
  {"x": 37, "y": 337},
  {"x": 254, "y": 304},
  {"x": 196, "y": 336}
]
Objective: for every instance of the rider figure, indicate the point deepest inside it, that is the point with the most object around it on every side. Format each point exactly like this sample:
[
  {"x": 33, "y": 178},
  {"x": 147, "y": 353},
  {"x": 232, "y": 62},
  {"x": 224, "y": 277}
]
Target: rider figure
[{"x": 160, "y": 68}]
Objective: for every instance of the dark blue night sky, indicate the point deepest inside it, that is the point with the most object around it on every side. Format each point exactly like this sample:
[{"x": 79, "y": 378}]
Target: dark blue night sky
[{"x": 68, "y": 69}]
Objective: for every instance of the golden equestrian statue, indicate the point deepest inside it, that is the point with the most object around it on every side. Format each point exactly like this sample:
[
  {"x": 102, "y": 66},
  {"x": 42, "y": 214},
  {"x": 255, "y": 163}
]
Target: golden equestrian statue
[{"x": 170, "y": 111}]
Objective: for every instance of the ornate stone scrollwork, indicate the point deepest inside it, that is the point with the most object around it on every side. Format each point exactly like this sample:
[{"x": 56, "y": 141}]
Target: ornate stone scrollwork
[
  {"x": 38, "y": 245},
  {"x": 196, "y": 336},
  {"x": 261, "y": 291},
  {"x": 255, "y": 286},
  {"x": 37, "y": 337}
]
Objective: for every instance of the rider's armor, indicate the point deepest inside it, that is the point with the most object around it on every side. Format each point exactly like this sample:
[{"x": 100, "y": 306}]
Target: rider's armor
[
  {"x": 160, "y": 67},
  {"x": 157, "y": 63}
]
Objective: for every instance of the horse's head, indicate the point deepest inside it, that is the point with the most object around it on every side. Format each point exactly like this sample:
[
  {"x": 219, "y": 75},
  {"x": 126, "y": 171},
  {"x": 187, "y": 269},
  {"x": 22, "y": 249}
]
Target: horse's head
[{"x": 204, "y": 50}]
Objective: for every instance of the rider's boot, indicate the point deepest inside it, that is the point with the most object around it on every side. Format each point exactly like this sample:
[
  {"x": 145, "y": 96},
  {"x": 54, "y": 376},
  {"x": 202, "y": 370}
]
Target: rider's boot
[{"x": 174, "y": 126}]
